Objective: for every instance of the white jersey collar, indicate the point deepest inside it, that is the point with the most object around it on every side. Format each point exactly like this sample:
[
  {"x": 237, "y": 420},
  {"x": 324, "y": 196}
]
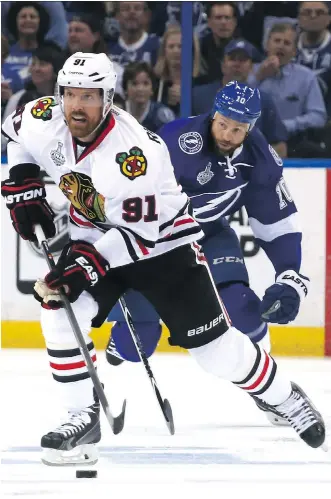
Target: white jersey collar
[{"x": 133, "y": 46}]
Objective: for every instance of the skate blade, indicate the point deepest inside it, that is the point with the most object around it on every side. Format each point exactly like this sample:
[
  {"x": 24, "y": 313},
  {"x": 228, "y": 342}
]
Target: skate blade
[
  {"x": 325, "y": 447},
  {"x": 81, "y": 455}
]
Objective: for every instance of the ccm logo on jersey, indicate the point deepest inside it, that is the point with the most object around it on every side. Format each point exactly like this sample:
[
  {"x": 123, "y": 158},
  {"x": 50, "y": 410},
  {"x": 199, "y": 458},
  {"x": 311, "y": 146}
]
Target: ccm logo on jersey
[
  {"x": 24, "y": 196},
  {"x": 227, "y": 259},
  {"x": 89, "y": 269},
  {"x": 297, "y": 280},
  {"x": 206, "y": 327}
]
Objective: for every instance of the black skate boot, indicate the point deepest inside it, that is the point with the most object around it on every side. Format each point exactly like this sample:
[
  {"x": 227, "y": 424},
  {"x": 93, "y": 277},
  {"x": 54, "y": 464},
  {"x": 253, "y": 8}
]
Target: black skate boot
[
  {"x": 74, "y": 442},
  {"x": 112, "y": 355},
  {"x": 272, "y": 415},
  {"x": 301, "y": 414}
]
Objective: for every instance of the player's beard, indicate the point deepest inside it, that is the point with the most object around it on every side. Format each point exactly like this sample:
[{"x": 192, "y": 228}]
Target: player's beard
[
  {"x": 81, "y": 129},
  {"x": 227, "y": 148}
]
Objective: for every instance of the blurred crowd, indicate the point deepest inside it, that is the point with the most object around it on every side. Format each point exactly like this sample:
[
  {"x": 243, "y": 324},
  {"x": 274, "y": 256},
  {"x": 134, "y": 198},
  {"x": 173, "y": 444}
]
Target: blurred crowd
[{"x": 283, "y": 48}]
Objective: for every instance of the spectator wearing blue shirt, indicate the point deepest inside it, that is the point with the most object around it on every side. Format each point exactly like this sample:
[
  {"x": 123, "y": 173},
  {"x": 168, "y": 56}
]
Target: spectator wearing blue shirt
[
  {"x": 134, "y": 43},
  {"x": 28, "y": 23},
  {"x": 294, "y": 87},
  {"x": 314, "y": 44},
  {"x": 139, "y": 85},
  {"x": 237, "y": 65}
]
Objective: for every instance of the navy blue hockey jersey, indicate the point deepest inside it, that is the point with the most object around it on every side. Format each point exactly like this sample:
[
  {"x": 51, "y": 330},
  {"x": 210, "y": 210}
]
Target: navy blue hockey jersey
[
  {"x": 145, "y": 50},
  {"x": 219, "y": 185},
  {"x": 316, "y": 58}
]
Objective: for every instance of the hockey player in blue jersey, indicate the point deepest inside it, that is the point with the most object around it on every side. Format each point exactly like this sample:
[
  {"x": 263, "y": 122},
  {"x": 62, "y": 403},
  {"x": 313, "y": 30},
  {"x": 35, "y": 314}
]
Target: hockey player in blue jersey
[{"x": 223, "y": 163}]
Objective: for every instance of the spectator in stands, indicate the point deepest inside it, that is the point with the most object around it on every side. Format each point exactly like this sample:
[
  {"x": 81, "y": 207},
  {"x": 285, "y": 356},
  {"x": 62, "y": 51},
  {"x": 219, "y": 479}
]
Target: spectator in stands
[
  {"x": 314, "y": 44},
  {"x": 258, "y": 18},
  {"x": 237, "y": 65},
  {"x": 294, "y": 87},
  {"x": 85, "y": 35},
  {"x": 138, "y": 85},
  {"x": 168, "y": 67},
  {"x": 164, "y": 14},
  {"x": 222, "y": 20},
  {"x": 46, "y": 62},
  {"x": 58, "y": 28},
  {"x": 96, "y": 9},
  {"x": 134, "y": 43},
  {"x": 28, "y": 23}
]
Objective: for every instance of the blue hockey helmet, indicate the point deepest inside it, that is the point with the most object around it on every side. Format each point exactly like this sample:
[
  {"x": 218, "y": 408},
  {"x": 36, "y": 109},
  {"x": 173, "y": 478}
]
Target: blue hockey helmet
[{"x": 239, "y": 102}]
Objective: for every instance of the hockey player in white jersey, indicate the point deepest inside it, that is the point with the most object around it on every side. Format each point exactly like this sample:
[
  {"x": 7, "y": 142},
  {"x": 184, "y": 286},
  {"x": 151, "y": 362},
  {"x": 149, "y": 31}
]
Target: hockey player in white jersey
[{"x": 130, "y": 229}]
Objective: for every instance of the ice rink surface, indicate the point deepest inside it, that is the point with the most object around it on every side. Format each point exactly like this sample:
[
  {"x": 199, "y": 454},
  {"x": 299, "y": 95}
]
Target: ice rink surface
[{"x": 223, "y": 446}]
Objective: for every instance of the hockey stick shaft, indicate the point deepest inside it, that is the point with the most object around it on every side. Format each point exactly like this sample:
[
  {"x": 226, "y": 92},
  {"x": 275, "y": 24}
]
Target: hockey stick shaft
[
  {"x": 164, "y": 404},
  {"x": 117, "y": 422}
]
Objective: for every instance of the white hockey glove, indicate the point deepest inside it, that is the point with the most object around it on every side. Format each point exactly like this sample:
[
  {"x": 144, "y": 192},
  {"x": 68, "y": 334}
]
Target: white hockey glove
[{"x": 49, "y": 298}]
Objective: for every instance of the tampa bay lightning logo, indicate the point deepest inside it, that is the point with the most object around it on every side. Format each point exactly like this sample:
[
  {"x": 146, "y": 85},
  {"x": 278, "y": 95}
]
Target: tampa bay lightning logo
[
  {"x": 190, "y": 142},
  {"x": 209, "y": 206}
]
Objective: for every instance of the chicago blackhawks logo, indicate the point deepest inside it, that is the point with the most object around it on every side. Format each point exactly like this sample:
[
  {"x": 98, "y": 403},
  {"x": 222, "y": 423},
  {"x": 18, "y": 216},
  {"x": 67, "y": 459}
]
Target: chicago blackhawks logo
[
  {"x": 42, "y": 110},
  {"x": 132, "y": 165},
  {"x": 81, "y": 193}
]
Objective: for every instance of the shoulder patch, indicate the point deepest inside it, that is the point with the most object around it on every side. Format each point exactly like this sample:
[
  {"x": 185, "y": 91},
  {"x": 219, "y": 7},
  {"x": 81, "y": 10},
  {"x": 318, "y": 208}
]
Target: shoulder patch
[
  {"x": 277, "y": 158},
  {"x": 42, "y": 110},
  {"x": 190, "y": 142},
  {"x": 132, "y": 164}
]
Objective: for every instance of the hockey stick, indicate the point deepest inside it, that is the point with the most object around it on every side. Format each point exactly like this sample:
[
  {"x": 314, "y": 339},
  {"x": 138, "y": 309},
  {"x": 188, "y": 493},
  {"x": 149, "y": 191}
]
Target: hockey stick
[
  {"x": 164, "y": 404},
  {"x": 116, "y": 423}
]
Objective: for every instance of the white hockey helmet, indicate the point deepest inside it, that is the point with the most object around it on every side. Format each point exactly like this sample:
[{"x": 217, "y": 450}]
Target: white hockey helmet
[{"x": 84, "y": 70}]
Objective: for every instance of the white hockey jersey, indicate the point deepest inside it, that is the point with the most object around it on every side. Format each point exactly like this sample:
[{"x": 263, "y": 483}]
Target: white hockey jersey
[{"x": 123, "y": 194}]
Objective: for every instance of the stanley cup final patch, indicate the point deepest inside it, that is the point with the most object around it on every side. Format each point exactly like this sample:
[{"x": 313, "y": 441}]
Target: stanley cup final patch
[
  {"x": 206, "y": 175},
  {"x": 57, "y": 156}
]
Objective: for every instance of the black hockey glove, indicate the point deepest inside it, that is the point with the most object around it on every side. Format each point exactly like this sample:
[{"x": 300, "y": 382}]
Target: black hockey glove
[
  {"x": 79, "y": 267},
  {"x": 28, "y": 207}
]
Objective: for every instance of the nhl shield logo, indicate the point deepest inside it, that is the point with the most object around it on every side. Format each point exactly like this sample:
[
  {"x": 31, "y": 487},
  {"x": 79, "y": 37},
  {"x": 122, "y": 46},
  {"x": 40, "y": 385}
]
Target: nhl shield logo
[
  {"x": 206, "y": 175},
  {"x": 57, "y": 155}
]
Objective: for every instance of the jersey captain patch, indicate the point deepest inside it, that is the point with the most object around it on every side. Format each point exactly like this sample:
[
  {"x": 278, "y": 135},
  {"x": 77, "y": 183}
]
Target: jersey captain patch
[
  {"x": 132, "y": 165},
  {"x": 42, "y": 110}
]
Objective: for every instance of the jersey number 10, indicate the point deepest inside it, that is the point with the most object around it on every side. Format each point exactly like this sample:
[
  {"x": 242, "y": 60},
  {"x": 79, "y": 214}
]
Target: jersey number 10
[{"x": 283, "y": 194}]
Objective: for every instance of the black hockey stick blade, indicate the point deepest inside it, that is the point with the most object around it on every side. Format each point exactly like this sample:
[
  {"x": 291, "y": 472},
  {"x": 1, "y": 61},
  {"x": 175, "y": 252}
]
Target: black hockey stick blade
[
  {"x": 167, "y": 411},
  {"x": 118, "y": 421},
  {"x": 164, "y": 404}
]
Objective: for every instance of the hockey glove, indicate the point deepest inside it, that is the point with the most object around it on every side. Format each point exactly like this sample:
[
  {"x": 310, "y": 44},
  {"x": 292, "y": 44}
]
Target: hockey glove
[
  {"x": 28, "y": 207},
  {"x": 281, "y": 302},
  {"x": 79, "y": 267}
]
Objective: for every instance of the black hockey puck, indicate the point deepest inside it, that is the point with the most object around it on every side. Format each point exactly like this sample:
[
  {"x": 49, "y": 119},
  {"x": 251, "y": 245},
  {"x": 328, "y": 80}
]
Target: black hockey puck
[{"x": 86, "y": 474}]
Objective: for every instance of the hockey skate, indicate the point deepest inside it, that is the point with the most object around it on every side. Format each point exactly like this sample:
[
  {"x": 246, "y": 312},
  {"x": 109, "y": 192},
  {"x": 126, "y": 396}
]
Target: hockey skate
[
  {"x": 74, "y": 442},
  {"x": 304, "y": 418},
  {"x": 272, "y": 415},
  {"x": 112, "y": 355}
]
